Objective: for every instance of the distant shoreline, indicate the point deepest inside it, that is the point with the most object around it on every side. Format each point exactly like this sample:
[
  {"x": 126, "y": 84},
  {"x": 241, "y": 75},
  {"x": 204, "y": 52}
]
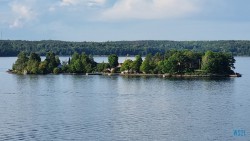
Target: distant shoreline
[{"x": 122, "y": 48}]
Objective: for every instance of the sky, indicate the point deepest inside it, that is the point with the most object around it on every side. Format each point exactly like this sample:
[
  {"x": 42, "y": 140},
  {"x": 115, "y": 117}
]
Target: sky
[{"x": 115, "y": 20}]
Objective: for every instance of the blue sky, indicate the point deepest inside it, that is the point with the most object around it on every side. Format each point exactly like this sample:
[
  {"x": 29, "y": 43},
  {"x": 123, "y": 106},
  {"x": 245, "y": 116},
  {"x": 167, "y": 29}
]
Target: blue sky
[{"x": 112, "y": 20}]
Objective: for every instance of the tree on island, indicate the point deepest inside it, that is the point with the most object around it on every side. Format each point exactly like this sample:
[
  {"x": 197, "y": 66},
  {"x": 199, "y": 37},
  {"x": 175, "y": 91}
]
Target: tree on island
[
  {"x": 81, "y": 63},
  {"x": 172, "y": 62},
  {"x": 137, "y": 63},
  {"x": 33, "y": 64},
  {"x": 218, "y": 63},
  {"x": 102, "y": 67},
  {"x": 127, "y": 65},
  {"x": 21, "y": 63},
  {"x": 146, "y": 65},
  {"x": 76, "y": 65},
  {"x": 52, "y": 61},
  {"x": 113, "y": 60}
]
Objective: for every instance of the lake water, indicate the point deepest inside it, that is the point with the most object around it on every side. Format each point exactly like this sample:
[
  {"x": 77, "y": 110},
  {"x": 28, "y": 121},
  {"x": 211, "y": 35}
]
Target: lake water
[{"x": 106, "y": 108}]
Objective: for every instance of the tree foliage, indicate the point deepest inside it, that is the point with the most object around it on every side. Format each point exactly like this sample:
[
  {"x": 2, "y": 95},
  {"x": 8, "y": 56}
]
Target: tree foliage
[
  {"x": 172, "y": 62},
  {"x": 121, "y": 48},
  {"x": 113, "y": 60},
  {"x": 81, "y": 63},
  {"x": 33, "y": 64},
  {"x": 137, "y": 63},
  {"x": 221, "y": 63},
  {"x": 52, "y": 61},
  {"x": 102, "y": 67},
  {"x": 146, "y": 64},
  {"x": 21, "y": 62},
  {"x": 127, "y": 65}
]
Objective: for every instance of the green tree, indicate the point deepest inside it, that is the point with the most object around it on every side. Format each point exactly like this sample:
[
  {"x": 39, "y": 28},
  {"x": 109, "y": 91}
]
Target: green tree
[
  {"x": 169, "y": 53},
  {"x": 101, "y": 67},
  {"x": 193, "y": 60},
  {"x": 175, "y": 63},
  {"x": 43, "y": 67},
  {"x": 137, "y": 63},
  {"x": 65, "y": 66},
  {"x": 35, "y": 57},
  {"x": 88, "y": 63},
  {"x": 88, "y": 68},
  {"x": 160, "y": 67},
  {"x": 56, "y": 70},
  {"x": 77, "y": 66},
  {"x": 170, "y": 65},
  {"x": 58, "y": 62},
  {"x": 155, "y": 63},
  {"x": 113, "y": 60},
  {"x": 157, "y": 57},
  {"x": 33, "y": 64},
  {"x": 82, "y": 63},
  {"x": 74, "y": 57},
  {"x": 52, "y": 61},
  {"x": 21, "y": 63},
  {"x": 33, "y": 67},
  {"x": 218, "y": 63},
  {"x": 145, "y": 66},
  {"x": 127, "y": 65}
]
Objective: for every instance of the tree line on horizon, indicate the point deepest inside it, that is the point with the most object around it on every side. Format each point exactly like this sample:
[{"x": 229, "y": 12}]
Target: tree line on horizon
[
  {"x": 121, "y": 48},
  {"x": 170, "y": 62}
]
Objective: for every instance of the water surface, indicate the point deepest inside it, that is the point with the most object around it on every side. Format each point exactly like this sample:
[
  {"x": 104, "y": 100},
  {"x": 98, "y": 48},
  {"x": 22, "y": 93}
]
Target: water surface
[{"x": 77, "y": 107}]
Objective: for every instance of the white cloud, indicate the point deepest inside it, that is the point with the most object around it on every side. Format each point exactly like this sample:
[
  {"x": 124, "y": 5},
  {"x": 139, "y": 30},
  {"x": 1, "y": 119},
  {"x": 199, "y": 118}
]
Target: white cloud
[
  {"x": 82, "y": 2},
  {"x": 149, "y": 9},
  {"x": 16, "y": 23},
  {"x": 22, "y": 11},
  {"x": 96, "y": 2},
  {"x": 69, "y": 2},
  {"x": 22, "y": 14}
]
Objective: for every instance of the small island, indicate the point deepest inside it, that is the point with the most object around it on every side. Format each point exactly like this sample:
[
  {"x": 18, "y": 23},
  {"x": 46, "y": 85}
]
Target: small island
[{"x": 172, "y": 63}]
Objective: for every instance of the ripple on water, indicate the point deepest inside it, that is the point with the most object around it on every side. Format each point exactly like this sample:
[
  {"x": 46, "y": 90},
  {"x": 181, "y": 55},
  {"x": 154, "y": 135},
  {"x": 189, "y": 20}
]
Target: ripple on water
[{"x": 65, "y": 107}]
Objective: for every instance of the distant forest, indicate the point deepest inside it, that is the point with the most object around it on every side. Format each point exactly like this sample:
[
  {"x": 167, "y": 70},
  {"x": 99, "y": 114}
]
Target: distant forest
[{"x": 121, "y": 48}]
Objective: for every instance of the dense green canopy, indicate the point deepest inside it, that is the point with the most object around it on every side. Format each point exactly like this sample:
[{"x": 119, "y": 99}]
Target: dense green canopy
[
  {"x": 172, "y": 62},
  {"x": 120, "y": 48}
]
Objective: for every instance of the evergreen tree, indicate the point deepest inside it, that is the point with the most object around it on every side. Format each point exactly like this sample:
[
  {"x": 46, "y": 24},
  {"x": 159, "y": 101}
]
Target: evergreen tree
[
  {"x": 33, "y": 64},
  {"x": 113, "y": 60},
  {"x": 21, "y": 63},
  {"x": 52, "y": 62},
  {"x": 137, "y": 63},
  {"x": 145, "y": 66}
]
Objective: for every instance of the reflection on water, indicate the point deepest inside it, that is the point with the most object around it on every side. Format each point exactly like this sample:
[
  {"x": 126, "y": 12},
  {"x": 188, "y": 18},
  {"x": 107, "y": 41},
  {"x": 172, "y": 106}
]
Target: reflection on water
[{"x": 77, "y": 107}]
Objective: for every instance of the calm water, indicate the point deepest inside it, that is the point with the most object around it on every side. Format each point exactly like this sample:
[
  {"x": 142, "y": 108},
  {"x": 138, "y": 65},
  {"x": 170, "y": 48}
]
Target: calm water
[{"x": 93, "y": 108}]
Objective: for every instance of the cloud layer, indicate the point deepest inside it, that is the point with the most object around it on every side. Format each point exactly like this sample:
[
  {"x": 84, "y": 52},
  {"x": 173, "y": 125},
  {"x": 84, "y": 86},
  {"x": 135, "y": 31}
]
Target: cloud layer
[
  {"x": 22, "y": 13},
  {"x": 82, "y": 2},
  {"x": 150, "y": 9},
  {"x": 123, "y": 19},
  {"x": 26, "y": 11}
]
